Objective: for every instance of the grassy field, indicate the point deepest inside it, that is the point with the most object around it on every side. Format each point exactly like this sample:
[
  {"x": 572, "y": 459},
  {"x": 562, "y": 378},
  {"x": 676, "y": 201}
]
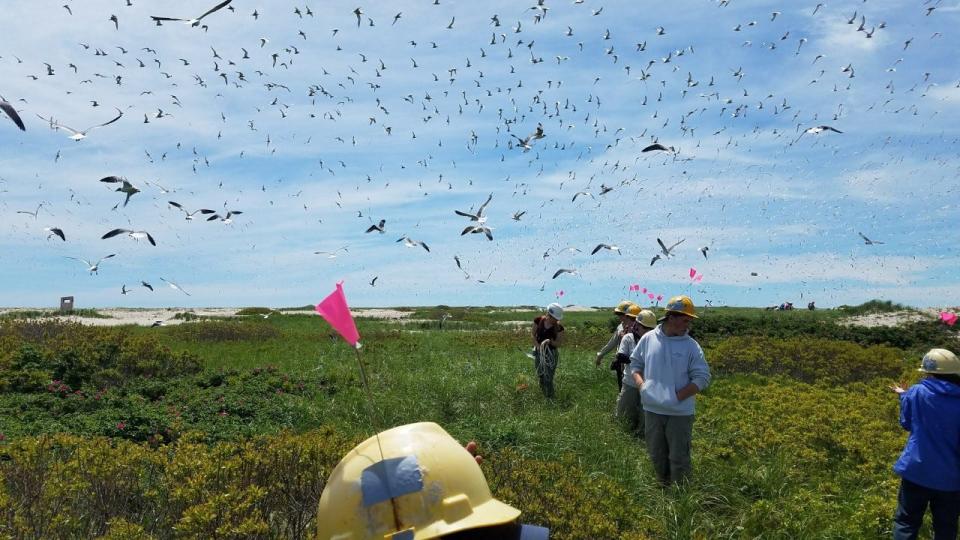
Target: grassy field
[{"x": 794, "y": 439}]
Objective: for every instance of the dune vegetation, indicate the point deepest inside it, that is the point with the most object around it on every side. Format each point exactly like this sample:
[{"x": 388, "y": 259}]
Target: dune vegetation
[{"x": 229, "y": 428}]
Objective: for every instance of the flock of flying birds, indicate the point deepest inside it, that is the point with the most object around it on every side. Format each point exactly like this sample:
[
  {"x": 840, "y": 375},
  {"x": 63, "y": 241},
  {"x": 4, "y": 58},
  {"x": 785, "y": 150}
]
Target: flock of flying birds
[{"x": 491, "y": 108}]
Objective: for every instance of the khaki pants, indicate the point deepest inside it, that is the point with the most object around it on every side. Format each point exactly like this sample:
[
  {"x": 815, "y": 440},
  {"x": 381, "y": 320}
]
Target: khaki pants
[
  {"x": 629, "y": 410},
  {"x": 668, "y": 443}
]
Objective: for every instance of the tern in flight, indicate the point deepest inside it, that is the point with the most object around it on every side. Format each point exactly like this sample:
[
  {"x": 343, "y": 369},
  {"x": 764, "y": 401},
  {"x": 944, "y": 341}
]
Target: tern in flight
[
  {"x": 55, "y": 231},
  {"x": 410, "y": 242},
  {"x": 93, "y": 268},
  {"x": 79, "y": 135},
  {"x": 564, "y": 271},
  {"x": 668, "y": 251},
  {"x": 605, "y": 246},
  {"x": 525, "y": 143},
  {"x": 868, "y": 241},
  {"x": 189, "y": 215},
  {"x": 226, "y": 219},
  {"x": 174, "y": 286},
  {"x": 377, "y": 227},
  {"x": 126, "y": 187},
  {"x": 477, "y": 229},
  {"x": 192, "y": 22},
  {"x": 12, "y": 113},
  {"x": 658, "y": 146},
  {"x": 478, "y": 217},
  {"x": 821, "y": 129},
  {"x": 136, "y": 235},
  {"x": 332, "y": 254}
]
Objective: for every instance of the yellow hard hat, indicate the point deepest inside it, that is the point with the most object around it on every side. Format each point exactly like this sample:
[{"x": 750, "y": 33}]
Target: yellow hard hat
[
  {"x": 940, "y": 362},
  {"x": 622, "y": 307},
  {"x": 632, "y": 311},
  {"x": 424, "y": 485},
  {"x": 681, "y": 304},
  {"x": 647, "y": 318}
]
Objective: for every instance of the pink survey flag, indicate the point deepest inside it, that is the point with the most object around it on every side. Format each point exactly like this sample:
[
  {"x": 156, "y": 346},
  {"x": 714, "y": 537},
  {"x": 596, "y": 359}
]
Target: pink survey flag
[
  {"x": 693, "y": 272},
  {"x": 334, "y": 309},
  {"x": 949, "y": 318}
]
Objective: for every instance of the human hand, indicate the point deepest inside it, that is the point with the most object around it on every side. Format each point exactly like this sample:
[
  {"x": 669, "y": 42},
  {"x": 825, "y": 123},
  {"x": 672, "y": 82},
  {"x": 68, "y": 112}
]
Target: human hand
[
  {"x": 896, "y": 388},
  {"x": 473, "y": 449}
]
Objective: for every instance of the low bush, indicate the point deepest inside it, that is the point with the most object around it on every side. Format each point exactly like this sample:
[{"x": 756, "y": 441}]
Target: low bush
[
  {"x": 872, "y": 306},
  {"x": 226, "y": 405},
  {"x": 914, "y": 336},
  {"x": 63, "y": 486},
  {"x": 560, "y": 495},
  {"x": 33, "y": 354},
  {"x": 254, "y": 311},
  {"x": 805, "y": 359}
]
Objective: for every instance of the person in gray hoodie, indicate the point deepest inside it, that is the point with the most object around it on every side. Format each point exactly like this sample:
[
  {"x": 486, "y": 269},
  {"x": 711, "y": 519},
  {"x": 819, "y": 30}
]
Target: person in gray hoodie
[{"x": 669, "y": 368}]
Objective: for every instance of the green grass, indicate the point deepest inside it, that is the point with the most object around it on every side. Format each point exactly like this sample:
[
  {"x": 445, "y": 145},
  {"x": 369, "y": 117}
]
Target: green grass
[{"x": 774, "y": 457}]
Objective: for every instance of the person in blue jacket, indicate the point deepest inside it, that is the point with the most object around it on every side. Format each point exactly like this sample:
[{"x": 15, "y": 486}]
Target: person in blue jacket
[{"x": 929, "y": 467}]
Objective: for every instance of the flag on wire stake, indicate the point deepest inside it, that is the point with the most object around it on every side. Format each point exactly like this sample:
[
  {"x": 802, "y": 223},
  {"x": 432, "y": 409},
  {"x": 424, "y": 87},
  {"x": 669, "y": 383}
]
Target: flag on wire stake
[{"x": 334, "y": 309}]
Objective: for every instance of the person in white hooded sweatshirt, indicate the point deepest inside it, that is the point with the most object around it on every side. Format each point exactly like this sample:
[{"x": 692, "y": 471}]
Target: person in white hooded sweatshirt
[{"x": 669, "y": 368}]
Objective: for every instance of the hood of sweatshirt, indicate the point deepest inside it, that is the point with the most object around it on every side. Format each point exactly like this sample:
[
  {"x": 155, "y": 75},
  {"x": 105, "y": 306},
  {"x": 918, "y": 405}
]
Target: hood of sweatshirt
[{"x": 940, "y": 386}]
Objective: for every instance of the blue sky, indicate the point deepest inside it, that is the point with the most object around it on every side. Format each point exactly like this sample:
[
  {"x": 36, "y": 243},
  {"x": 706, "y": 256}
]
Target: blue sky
[{"x": 303, "y": 150}]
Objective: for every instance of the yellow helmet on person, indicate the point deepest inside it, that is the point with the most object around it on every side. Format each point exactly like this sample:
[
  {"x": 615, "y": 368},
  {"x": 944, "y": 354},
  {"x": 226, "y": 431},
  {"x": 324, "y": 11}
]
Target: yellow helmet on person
[
  {"x": 940, "y": 362},
  {"x": 622, "y": 307},
  {"x": 681, "y": 304},
  {"x": 633, "y": 311},
  {"x": 424, "y": 485},
  {"x": 647, "y": 319}
]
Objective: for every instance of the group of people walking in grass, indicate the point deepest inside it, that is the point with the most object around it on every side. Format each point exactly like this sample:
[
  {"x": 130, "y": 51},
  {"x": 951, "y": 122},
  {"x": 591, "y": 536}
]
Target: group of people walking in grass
[{"x": 660, "y": 369}]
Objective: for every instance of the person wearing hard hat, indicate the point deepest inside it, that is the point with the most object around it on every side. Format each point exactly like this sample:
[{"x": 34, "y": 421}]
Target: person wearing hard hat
[
  {"x": 628, "y": 402},
  {"x": 415, "y": 482},
  {"x": 547, "y": 336},
  {"x": 669, "y": 368},
  {"x": 929, "y": 467},
  {"x": 614, "y": 343}
]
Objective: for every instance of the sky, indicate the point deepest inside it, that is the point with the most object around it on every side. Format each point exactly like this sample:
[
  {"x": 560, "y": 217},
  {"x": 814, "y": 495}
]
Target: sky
[{"x": 310, "y": 123}]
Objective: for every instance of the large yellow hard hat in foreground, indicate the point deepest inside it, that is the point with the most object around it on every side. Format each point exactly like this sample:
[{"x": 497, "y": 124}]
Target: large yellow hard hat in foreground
[
  {"x": 940, "y": 362},
  {"x": 682, "y": 304},
  {"x": 424, "y": 485}
]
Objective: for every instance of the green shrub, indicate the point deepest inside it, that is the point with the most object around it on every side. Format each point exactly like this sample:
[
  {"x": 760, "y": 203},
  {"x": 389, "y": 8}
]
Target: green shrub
[
  {"x": 872, "y": 306},
  {"x": 64, "y": 486},
  {"x": 255, "y": 311},
  {"x": 805, "y": 359},
  {"x": 914, "y": 336},
  {"x": 560, "y": 495}
]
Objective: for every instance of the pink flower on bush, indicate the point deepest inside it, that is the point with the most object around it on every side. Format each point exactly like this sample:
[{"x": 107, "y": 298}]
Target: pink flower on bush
[{"x": 121, "y": 424}]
